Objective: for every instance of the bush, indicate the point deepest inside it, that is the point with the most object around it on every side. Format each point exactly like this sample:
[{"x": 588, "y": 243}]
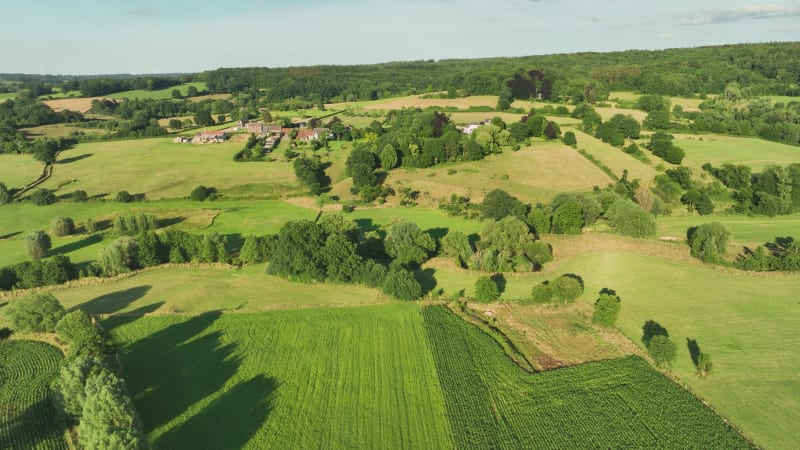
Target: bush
[
  {"x": 135, "y": 223},
  {"x": 542, "y": 293},
  {"x": 629, "y": 219},
  {"x": 606, "y": 309},
  {"x": 401, "y": 284},
  {"x": 201, "y": 193},
  {"x": 79, "y": 196},
  {"x": 566, "y": 288},
  {"x": 119, "y": 257},
  {"x": 5, "y": 333},
  {"x": 37, "y": 244},
  {"x": 36, "y": 313},
  {"x": 124, "y": 197},
  {"x": 708, "y": 241},
  {"x": 569, "y": 138},
  {"x": 63, "y": 226},
  {"x": 662, "y": 350},
  {"x": 43, "y": 197},
  {"x": 486, "y": 290}
]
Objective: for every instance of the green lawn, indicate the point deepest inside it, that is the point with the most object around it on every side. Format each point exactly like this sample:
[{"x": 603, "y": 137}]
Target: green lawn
[
  {"x": 28, "y": 418},
  {"x": 158, "y": 94},
  {"x": 18, "y": 170},
  {"x": 621, "y": 403},
  {"x": 744, "y": 230},
  {"x": 753, "y": 152},
  {"x": 319, "y": 378},
  {"x": 746, "y": 322}
]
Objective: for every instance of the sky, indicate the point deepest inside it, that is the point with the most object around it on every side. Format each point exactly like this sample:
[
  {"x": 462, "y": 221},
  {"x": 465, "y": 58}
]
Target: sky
[{"x": 169, "y": 36}]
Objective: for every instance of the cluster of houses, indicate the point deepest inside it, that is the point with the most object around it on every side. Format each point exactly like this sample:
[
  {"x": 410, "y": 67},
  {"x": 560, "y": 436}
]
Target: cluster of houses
[{"x": 271, "y": 134}]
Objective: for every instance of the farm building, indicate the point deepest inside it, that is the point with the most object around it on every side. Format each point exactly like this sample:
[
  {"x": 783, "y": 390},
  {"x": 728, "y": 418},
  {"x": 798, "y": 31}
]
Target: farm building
[{"x": 209, "y": 137}]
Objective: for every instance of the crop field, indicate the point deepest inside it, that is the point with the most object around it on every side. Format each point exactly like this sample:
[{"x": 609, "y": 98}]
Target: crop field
[
  {"x": 82, "y": 104},
  {"x": 59, "y": 130},
  {"x": 18, "y": 170},
  {"x": 533, "y": 174},
  {"x": 319, "y": 378},
  {"x": 744, "y": 230},
  {"x": 623, "y": 403},
  {"x": 747, "y": 322},
  {"x": 160, "y": 94},
  {"x": 716, "y": 149},
  {"x": 28, "y": 418},
  {"x": 179, "y": 169}
]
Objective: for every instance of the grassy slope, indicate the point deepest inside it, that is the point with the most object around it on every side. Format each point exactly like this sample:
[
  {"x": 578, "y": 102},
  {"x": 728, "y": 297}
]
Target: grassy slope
[
  {"x": 160, "y": 168},
  {"x": 18, "y": 170},
  {"x": 27, "y": 416},
  {"x": 744, "y": 230},
  {"x": 746, "y": 322},
  {"x": 327, "y": 378},
  {"x": 161, "y": 94},
  {"x": 615, "y": 158},
  {"x": 752, "y": 152}
]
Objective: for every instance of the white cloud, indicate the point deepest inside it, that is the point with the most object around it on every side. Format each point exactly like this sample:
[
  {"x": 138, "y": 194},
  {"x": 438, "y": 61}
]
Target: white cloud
[{"x": 728, "y": 15}]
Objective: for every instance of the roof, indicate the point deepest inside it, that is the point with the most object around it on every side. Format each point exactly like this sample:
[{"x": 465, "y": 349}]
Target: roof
[
  {"x": 305, "y": 134},
  {"x": 212, "y": 133}
]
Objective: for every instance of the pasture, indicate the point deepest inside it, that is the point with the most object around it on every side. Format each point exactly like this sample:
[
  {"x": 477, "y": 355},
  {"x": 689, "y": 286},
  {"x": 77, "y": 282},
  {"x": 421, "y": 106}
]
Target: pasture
[
  {"x": 28, "y": 418},
  {"x": 159, "y": 94},
  {"x": 623, "y": 403},
  {"x": 616, "y": 159},
  {"x": 532, "y": 174},
  {"x": 717, "y": 149},
  {"x": 18, "y": 170},
  {"x": 749, "y": 231},
  {"x": 317, "y": 378}
]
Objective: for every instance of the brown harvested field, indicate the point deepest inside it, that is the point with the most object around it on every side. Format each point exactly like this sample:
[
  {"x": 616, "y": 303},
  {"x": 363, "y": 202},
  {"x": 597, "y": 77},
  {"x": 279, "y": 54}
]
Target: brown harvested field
[
  {"x": 615, "y": 158},
  {"x": 200, "y": 98},
  {"x": 72, "y": 104},
  {"x": 59, "y": 130},
  {"x": 607, "y": 113},
  {"x": 533, "y": 174},
  {"x": 416, "y": 102}
]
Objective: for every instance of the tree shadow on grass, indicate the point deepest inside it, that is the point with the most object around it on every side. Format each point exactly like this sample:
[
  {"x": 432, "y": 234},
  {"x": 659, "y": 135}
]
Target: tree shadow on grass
[
  {"x": 35, "y": 427},
  {"x": 115, "y": 301},
  {"x": 74, "y": 158},
  {"x": 694, "y": 351},
  {"x": 426, "y": 279},
  {"x": 652, "y": 329},
  {"x": 129, "y": 317},
  {"x": 438, "y": 233},
  {"x": 240, "y": 413},
  {"x": 163, "y": 223},
  {"x": 77, "y": 245},
  {"x": 367, "y": 225},
  {"x": 10, "y": 235},
  {"x": 174, "y": 368}
]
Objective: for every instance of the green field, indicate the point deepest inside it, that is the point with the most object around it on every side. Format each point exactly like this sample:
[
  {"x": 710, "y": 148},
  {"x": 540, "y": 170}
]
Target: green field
[
  {"x": 7, "y": 96},
  {"x": 323, "y": 378},
  {"x": 616, "y": 159},
  {"x": 753, "y": 152},
  {"x": 161, "y": 94},
  {"x": 747, "y": 322},
  {"x": 18, "y": 170},
  {"x": 623, "y": 403},
  {"x": 28, "y": 418},
  {"x": 744, "y": 230}
]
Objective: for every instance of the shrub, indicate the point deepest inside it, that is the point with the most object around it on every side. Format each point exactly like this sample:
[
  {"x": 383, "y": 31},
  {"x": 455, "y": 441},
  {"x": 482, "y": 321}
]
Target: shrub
[
  {"x": 201, "y": 193},
  {"x": 566, "y": 288},
  {"x": 569, "y": 138},
  {"x": 486, "y": 290},
  {"x": 401, "y": 284},
  {"x": 629, "y": 219},
  {"x": 542, "y": 293},
  {"x": 36, "y": 313},
  {"x": 606, "y": 309},
  {"x": 43, "y": 197},
  {"x": 662, "y": 350},
  {"x": 63, "y": 226},
  {"x": 708, "y": 241},
  {"x": 124, "y": 197},
  {"x": 79, "y": 196},
  {"x": 37, "y": 244},
  {"x": 119, "y": 257}
]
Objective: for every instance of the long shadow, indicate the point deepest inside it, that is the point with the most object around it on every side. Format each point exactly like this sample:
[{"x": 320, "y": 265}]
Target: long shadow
[
  {"x": 74, "y": 158},
  {"x": 35, "y": 427},
  {"x": 129, "y": 317},
  {"x": 115, "y": 301},
  {"x": 694, "y": 351},
  {"x": 163, "y": 223},
  {"x": 652, "y": 329},
  {"x": 241, "y": 412},
  {"x": 10, "y": 235},
  {"x": 426, "y": 279},
  {"x": 172, "y": 369},
  {"x": 234, "y": 240},
  {"x": 77, "y": 245},
  {"x": 366, "y": 225}
]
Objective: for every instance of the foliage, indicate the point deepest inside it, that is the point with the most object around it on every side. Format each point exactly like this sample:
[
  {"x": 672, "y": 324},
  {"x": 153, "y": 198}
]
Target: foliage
[
  {"x": 408, "y": 244},
  {"x": 662, "y": 350},
  {"x": 629, "y": 219},
  {"x": 124, "y": 197},
  {"x": 498, "y": 204},
  {"x": 135, "y": 223},
  {"x": 310, "y": 173},
  {"x": 388, "y": 157},
  {"x": 566, "y": 288},
  {"x": 201, "y": 193},
  {"x": 62, "y": 226},
  {"x": 120, "y": 256},
  {"x": 507, "y": 245},
  {"x": 401, "y": 284},
  {"x": 661, "y": 144},
  {"x": 708, "y": 241},
  {"x": 456, "y": 244},
  {"x": 569, "y": 139},
  {"x": 37, "y": 244},
  {"x": 31, "y": 274},
  {"x": 255, "y": 249},
  {"x": 606, "y": 309},
  {"x": 43, "y": 197},
  {"x": 108, "y": 419},
  {"x": 36, "y": 313},
  {"x": 486, "y": 289}
]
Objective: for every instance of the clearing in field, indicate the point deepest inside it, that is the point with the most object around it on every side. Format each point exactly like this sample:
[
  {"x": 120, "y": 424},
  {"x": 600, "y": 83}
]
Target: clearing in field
[
  {"x": 623, "y": 403},
  {"x": 533, "y": 174},
  {"x": 717, "y": 149},
  {"x": 28, "y": 418},
  {"x": 180, "y": 168},
  {"x": 320, "y": 378}
]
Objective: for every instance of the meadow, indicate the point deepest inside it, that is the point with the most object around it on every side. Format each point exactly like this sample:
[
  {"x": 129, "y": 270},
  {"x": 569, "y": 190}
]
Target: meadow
[
  {"x": 751, "y": 231},
  {"x": 616, "y": 159},
  {"x": 18, "y": 170},
  {"x": 28, "y": 417},
  {"x": 159, "y": 94},
  {"x": 717, "y": 149},
  {"x": 318, "y": 378}
]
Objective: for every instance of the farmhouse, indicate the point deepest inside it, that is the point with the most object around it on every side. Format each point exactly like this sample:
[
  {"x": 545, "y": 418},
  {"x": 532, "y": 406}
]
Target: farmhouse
[
  {"x": 469, "y": 129},
  {"x": 259, "y": 128},
  {"x": 209, "y": 137}
]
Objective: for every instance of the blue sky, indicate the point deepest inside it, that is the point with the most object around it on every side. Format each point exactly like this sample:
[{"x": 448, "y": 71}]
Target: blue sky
[{"x": 149, "y": 36}]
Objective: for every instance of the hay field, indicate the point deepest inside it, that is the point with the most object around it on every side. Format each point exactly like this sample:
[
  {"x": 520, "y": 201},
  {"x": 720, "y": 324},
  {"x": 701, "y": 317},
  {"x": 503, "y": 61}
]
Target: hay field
[
  {"x": 615, "y": 158},
  {"x": 82, "y": 105},
  {"x": 717, "y": 149}
]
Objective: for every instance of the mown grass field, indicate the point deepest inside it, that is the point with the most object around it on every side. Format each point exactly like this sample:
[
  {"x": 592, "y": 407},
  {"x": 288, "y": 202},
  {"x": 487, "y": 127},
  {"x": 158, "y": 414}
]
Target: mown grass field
[
  {"x": 533, "y": 174},
  {"x": 753, "y": 152},
  {"x": 28, "y": 418},
  {"x": 623, "y": 403},
  {"x": 744, "y": 230},
  {"x": 160, "y": 168},
  {"x": 18, "y": 170},
  {"x": 321, "y": 378},
  {"x": 616, "y": 159},
  {"x": 160, "y": 94},
  {"x": 747, "y": 322}
]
